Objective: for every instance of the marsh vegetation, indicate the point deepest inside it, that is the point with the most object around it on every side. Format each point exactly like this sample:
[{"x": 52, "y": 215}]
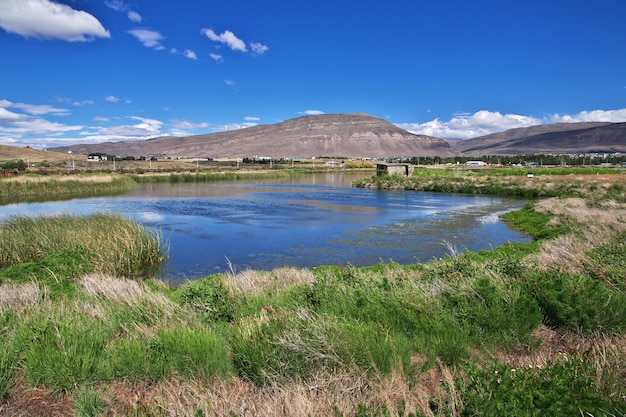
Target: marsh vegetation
[{"x": 524, "y": 329}]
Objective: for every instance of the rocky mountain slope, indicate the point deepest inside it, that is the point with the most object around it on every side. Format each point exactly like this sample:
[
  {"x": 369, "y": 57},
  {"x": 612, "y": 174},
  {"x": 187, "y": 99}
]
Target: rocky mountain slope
[
  {"x": 348, "y": 135},
  {"x": 549, "y": 139}
]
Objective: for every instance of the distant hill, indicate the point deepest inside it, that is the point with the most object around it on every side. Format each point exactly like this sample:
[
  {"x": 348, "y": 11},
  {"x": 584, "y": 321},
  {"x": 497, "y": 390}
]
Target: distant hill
[
  {"x": 14, "y": 153},
  {"x": 349, "y": 135},
  {"x": 549, "y": 139}
]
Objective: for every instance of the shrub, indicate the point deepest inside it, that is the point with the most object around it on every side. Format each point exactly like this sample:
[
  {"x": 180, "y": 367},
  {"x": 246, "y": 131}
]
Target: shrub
[
  {"x": 564, "y": 388},
  {"x": 125, "y": 358},
  {"x": 190, "y": 352},
  {"x": 63, "y": 352},
  {"x": 503, "y": 314},
  {"x": 209, "y": 297},
  {"x": 578, "y": 302},
  {"x": 607, "y": 264},
  {"x": 281, "y": 347}
]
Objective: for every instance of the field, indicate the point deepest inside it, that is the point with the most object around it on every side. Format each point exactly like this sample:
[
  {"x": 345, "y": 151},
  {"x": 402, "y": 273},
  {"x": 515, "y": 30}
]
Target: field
[{"x": 526, "y": 329}]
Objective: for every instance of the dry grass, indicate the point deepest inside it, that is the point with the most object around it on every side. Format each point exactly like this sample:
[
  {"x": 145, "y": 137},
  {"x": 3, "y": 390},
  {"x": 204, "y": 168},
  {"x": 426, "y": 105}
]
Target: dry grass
[
  {"x": 594, "y": 226},
  {"x": 117, "y": 290},
  {"x": 249, "y": 282},
  {"x": 19, "y": 297},
  {"x": 318, "y": 397},
  {"x": 62, "y": 179}
]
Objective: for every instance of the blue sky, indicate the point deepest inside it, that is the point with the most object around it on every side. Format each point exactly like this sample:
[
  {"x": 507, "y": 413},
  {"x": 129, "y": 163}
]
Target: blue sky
[{"x": 89, "y": 71}]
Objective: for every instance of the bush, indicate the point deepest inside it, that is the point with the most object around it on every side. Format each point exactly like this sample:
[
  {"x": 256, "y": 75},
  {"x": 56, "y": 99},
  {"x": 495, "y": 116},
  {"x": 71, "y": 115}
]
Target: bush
[
  {"x": 578, "y": 302},
  {"x": 188, "y": 352},
  {"x": 209, "y": 297},
  {"x": 62, "y": 353},
  {"x": 282, "y": 347},
  {"x": 564, "y": 388},
  {"x": 495, "y": 315}
]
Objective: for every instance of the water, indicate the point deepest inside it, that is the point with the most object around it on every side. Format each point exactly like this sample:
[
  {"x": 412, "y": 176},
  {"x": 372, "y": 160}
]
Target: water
[{"x": 303, "y": 221}]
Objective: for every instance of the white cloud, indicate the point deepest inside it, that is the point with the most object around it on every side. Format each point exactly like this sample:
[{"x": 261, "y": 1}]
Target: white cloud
[
  {"x": 233, "y": 126},
  {"x": 311, "y": 112},
  {"x": 83, "y": 103},
  {"x": 112, "y": 99},
  {"x": 484, "y": 122},
  {"x": 39, "y": 109},
  {"x": 7, "y": 116},
  {"x": 469, "y": 126},
  {"x": 251, "y": 119},
  {"x": 149, "y": 38},
  {"x": 611, "y": 116},
  {"x": 228, "y": 38},
  {"x": 187, "y": 125},
  {"x": 190, "y": 54},
  {"x": 102, "y": 119},
  {"x": 45, "y": 19},
  {"x": 229, "y": 82},
  {"x": 217, "y": 58},
  {"x": 117, "y": 5},
  {"x": 14, "y": 127},
  {"x": 258, "y": 49},
  {"x": 146, "y": 128},
  {"x": 134, "y": 17}
]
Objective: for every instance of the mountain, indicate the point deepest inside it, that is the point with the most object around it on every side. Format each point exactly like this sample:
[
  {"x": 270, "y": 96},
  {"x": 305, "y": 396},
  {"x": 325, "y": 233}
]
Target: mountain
[
  {"x": 549, "y": 139},
  {"x": 349, "y": 135}
]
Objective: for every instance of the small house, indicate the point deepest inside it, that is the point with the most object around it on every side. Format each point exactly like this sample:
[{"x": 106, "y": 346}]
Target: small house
[{"x": 397, "y": 168}]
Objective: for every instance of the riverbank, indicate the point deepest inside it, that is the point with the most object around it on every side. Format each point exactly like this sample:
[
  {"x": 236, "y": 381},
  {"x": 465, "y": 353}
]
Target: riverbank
[
  {"x": 525, "y": 329},
  {"x": 37, "y": 187}
]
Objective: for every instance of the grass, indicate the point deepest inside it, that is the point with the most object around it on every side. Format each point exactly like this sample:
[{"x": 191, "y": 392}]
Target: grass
[
  {"x": 524, "y": 329},
  {"x": 33, "y": 188},
  {"x": 100, "y": 242}
]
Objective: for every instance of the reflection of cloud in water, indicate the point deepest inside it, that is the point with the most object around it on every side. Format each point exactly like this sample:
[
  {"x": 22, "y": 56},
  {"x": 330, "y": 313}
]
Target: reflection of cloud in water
[
  {"x": 492, "y": 217},
  {"x": 150, "y": 216}
]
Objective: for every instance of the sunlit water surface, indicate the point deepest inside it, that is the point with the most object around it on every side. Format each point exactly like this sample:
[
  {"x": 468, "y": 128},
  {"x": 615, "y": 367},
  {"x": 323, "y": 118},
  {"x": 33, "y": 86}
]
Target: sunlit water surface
[{"x": 302, "y": 221}]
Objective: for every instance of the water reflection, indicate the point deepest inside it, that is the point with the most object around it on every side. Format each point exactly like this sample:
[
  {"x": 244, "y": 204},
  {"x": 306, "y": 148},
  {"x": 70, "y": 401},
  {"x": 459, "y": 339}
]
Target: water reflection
[{"x": 303, "y": 221}]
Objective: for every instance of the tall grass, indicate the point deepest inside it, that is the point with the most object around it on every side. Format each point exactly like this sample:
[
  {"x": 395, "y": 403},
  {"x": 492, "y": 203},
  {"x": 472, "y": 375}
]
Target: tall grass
[
  {"x": 32, "y": 189},
  {"x": 107, "y": 243}
]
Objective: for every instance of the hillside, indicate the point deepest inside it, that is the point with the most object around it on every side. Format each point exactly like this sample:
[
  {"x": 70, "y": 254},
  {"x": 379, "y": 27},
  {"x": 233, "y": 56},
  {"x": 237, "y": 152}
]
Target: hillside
[
  {"x": 14, "y": 153},
  {"x": 549, "y": 139},
  {"x": 349, "y": 135}
]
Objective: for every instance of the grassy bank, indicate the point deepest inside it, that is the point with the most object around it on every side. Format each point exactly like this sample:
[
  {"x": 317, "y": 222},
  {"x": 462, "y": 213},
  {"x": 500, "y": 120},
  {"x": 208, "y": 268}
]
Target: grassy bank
[
  {"x": 544, "y": 182},
  {"x": 35, "y": 188},
  {"x": 526, "y": 329}
]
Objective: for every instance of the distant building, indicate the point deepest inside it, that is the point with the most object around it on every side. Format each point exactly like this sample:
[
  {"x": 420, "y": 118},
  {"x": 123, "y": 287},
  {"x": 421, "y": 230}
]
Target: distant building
[
  {"x": 390, "y": 169},
  {"x": 475, "y": 163}
]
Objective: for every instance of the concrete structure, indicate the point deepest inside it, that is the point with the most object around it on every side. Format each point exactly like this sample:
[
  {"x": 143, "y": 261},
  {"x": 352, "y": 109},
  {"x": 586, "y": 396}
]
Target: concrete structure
[
  {"x": 475, "y": 163},
  {"x": 390, "y": 169}
]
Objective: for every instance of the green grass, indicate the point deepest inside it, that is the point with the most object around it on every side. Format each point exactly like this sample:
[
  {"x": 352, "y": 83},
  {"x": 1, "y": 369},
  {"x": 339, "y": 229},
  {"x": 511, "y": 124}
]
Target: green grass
[
  {"x": 100, "y": 242},
  {"x": 47, "y": 189}
]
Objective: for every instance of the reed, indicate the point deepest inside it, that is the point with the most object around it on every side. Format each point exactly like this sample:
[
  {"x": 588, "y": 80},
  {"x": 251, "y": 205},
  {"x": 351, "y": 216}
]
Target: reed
[
  {"x": 45, "y": 188},
  {"x": 107, "y": 243}
]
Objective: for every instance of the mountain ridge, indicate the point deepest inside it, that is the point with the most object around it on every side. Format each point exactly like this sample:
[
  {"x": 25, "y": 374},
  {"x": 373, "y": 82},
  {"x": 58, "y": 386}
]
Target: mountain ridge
[
  {"x": 558, "y": 138},
  {"x": 346, "y": 135},
  {"x": 358, "y": 135}
]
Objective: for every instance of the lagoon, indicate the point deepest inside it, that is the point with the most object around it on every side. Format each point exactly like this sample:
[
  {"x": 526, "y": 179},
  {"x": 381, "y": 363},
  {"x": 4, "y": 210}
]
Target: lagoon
[{"x": 303, "y": 221}]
